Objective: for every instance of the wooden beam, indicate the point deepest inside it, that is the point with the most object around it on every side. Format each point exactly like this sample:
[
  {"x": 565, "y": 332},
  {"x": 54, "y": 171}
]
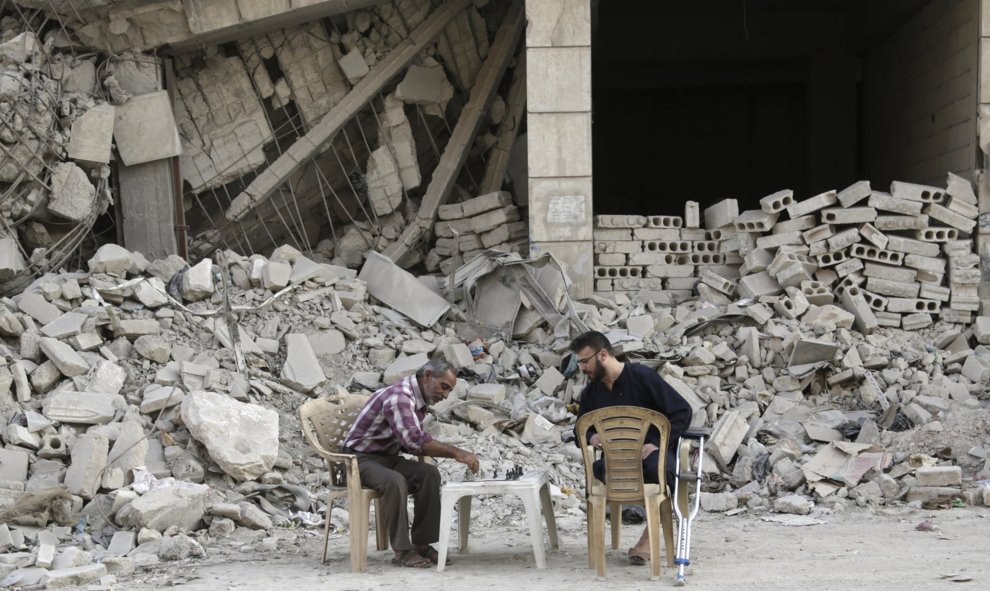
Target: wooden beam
[
  {"x": 508, "y": 129},
  {"x": 319, "y": 137},
  {"x": 455, "y": 153}
]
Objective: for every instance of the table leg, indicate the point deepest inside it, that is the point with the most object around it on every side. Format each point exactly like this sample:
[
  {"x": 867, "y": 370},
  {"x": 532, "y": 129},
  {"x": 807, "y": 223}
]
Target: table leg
[
  {"x": 531, "y": 500},
  {"x": 549, "y": 516},
  {"x": 446, "y": 517},
  {"x": 464, "y": 520}
]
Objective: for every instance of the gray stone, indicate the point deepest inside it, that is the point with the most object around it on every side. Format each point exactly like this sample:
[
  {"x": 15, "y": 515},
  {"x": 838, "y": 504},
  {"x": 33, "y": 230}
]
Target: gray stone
[
  {"x": 939, "y": 476},
  {"x": 166, "y": 268},
  {"x": 108, "y": 378},
  {"x": 301, "y": 369},
  {"x": 89, "y": 458},
  {"x": 66, "y": 325},
  {"x": 72, "y": 196},
  {"x": 74, "y": 577},
  {"x": 122, "y": 543},
  {"x": 159, "y": 397},
  {"x": 197, "y": 283},
  {"x": 458, "y": 355},
  {"x": 164, "y": 507},
  {"x": 64, "y": 357},
  {"x": 793, "y": 504},
  {"x": 111, "y": 259},
  {"x": 327, "y": 342},
  {"x": 67, "y": 406},
  {"x": 130, "y": 448},
  {"x": 275, "y": 276},
  {"x": 241, "y": 438},
  {"x": 153, "y": 347},
  {"x": 11, "y": 260},
  {"x": 549, "y": 381},
  {"x": 718, "y": 502},
  {"x": 13, "y": 465},
  {"x": 404, "y": 366},
  {"x": 151, "y": 292},
  {"x": 249, "y": 515},
  {"x": 36, "y": 306}
]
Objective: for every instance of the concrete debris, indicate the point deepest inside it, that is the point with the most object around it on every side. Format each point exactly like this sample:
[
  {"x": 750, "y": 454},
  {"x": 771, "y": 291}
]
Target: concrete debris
[
  {"x": 241, "y": 438},
  {"x": 835, "y": 344}
]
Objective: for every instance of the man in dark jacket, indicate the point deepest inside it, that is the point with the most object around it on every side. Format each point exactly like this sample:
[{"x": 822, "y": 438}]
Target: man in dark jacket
[{"x": 612, "y": 383}]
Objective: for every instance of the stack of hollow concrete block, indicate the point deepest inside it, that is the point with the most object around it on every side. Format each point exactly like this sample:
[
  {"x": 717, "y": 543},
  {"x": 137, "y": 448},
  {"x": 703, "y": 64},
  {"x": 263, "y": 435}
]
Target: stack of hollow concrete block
[
  {"x": 657, "y": 253},
  {"x": 466, "y": 229},
  {"x": 902, "y": 258}
]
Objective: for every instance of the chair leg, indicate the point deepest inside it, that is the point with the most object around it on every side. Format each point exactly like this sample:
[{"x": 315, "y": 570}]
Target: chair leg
[
  {"x": 592, "y": 553},
  {"x": 549, "y": 516},
  {"x": 685, "y": 466},
  {"x": 616, "y": 524},
  {"x": 359, "y": 535},
  {"x": 381, "y": 536},
  {"x": 667, "y": 521},
  {"x": 326, "y": 533},
  {"x": 653, "y": 526}
]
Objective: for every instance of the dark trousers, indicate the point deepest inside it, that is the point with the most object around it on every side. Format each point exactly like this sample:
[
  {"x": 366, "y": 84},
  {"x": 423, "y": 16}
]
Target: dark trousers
[
  {"x": 649, "y": 469},
  {"x": 395, "y": 478}
]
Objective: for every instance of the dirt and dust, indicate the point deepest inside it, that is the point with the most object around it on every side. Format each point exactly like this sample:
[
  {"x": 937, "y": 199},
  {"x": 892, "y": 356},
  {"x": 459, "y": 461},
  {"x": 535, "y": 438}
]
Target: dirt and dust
[{"x": 858, "y": 548}]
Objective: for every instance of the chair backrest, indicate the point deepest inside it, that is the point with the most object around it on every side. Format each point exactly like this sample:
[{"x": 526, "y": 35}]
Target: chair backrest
[
  {"x": 622, "y": 430},
  {"x": 325, "y": 421}
]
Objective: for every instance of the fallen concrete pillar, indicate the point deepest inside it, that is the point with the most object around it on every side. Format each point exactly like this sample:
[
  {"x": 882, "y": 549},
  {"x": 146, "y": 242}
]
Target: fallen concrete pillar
[
  {"x": 508, "y": 129},
  {"x": 316, "y": 139},
  {"x": 456, "y": 152}
]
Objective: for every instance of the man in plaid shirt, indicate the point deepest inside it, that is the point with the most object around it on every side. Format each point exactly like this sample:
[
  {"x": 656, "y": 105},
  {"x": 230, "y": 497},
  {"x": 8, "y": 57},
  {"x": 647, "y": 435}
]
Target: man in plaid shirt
[{"x": 392, "y": 422}]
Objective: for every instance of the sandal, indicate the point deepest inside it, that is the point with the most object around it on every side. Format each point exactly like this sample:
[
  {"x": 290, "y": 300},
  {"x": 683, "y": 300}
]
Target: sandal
[
  {"x": 431, "y": 553},
  {"x": 637, "y": 558},
  {"x": 412, "y": 559}
]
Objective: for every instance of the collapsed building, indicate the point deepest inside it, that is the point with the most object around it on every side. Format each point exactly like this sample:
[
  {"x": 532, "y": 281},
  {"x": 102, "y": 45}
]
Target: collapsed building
[{"x": 214, "y": 211}]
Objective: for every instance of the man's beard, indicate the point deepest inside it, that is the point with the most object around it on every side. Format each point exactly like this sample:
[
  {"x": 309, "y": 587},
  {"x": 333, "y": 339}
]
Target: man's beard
[{"x": 597, "y": 374}]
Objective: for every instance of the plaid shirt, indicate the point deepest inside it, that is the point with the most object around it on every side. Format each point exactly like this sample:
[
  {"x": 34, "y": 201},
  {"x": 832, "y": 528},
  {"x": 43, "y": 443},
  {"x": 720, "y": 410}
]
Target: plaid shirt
[{"x": 391, "y": 421}]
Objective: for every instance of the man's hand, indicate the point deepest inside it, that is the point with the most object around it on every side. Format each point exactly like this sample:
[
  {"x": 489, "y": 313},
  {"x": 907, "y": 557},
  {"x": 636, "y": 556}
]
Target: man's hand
[
  {"x": 468, "y": 459},
  {"x": 648, "y": 449},
  {"x": 595, "y": 441}
]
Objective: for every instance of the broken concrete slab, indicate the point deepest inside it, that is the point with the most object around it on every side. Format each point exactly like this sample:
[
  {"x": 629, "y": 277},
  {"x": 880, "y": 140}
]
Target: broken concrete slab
[
  {"x": 404, "y": 366},
  {"x": 91, "y": 137},
  {"x": 72, "y": 197},
  {"x": 401, "y": 291},
  {"x": 302, "y": 368},
  {"x": 197, "y": 283},
  {"x": 64, "y": 357},
  {"x": 145, "y": 129},
  {"x": 89, "y": 458},
  {"x": 89, "y": 408},
  {"x": 111, "y": 259},
  {"x": 162, "y": 508},
  {"x": 241, "y": 438}
]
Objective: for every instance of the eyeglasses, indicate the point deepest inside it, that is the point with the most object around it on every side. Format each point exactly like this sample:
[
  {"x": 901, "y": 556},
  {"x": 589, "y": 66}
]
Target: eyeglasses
[{"x": 584, "y": 362}]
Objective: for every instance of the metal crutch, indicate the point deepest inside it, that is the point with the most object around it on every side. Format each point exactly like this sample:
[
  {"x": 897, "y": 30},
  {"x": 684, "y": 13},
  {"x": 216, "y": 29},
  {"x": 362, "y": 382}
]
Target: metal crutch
[{"x": 684, "y": 517}]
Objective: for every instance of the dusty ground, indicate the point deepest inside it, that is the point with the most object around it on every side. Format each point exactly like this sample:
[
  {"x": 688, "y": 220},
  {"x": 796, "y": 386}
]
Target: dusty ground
[{"x": 855, "y": 549}]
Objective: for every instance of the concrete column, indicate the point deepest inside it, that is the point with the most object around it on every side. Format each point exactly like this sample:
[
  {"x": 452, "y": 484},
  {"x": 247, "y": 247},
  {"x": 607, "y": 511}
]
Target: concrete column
[
  {"x": 558, "y": 82},
  {"x": 982, "y": 178}
]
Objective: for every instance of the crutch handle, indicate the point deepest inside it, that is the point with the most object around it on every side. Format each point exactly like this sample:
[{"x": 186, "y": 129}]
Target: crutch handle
[{"x": 696, "y": 433}]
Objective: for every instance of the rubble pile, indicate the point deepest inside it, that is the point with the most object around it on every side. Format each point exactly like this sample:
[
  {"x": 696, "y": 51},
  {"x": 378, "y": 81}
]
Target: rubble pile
[
  {"x": 150, "y": 408},
  {"x": 897, "y": 259},
  {"x": 55, "y": 139},
  {"x": 468, "y": 228}
]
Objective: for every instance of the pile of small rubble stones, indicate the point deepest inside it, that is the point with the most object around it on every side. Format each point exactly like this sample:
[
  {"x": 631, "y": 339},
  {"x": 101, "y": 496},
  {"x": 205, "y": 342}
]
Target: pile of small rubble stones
[{"x": 149, "y": 408}]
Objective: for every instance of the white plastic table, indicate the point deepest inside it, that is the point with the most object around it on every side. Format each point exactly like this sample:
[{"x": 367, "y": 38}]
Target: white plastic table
[{"x": 532, "y": 488}]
